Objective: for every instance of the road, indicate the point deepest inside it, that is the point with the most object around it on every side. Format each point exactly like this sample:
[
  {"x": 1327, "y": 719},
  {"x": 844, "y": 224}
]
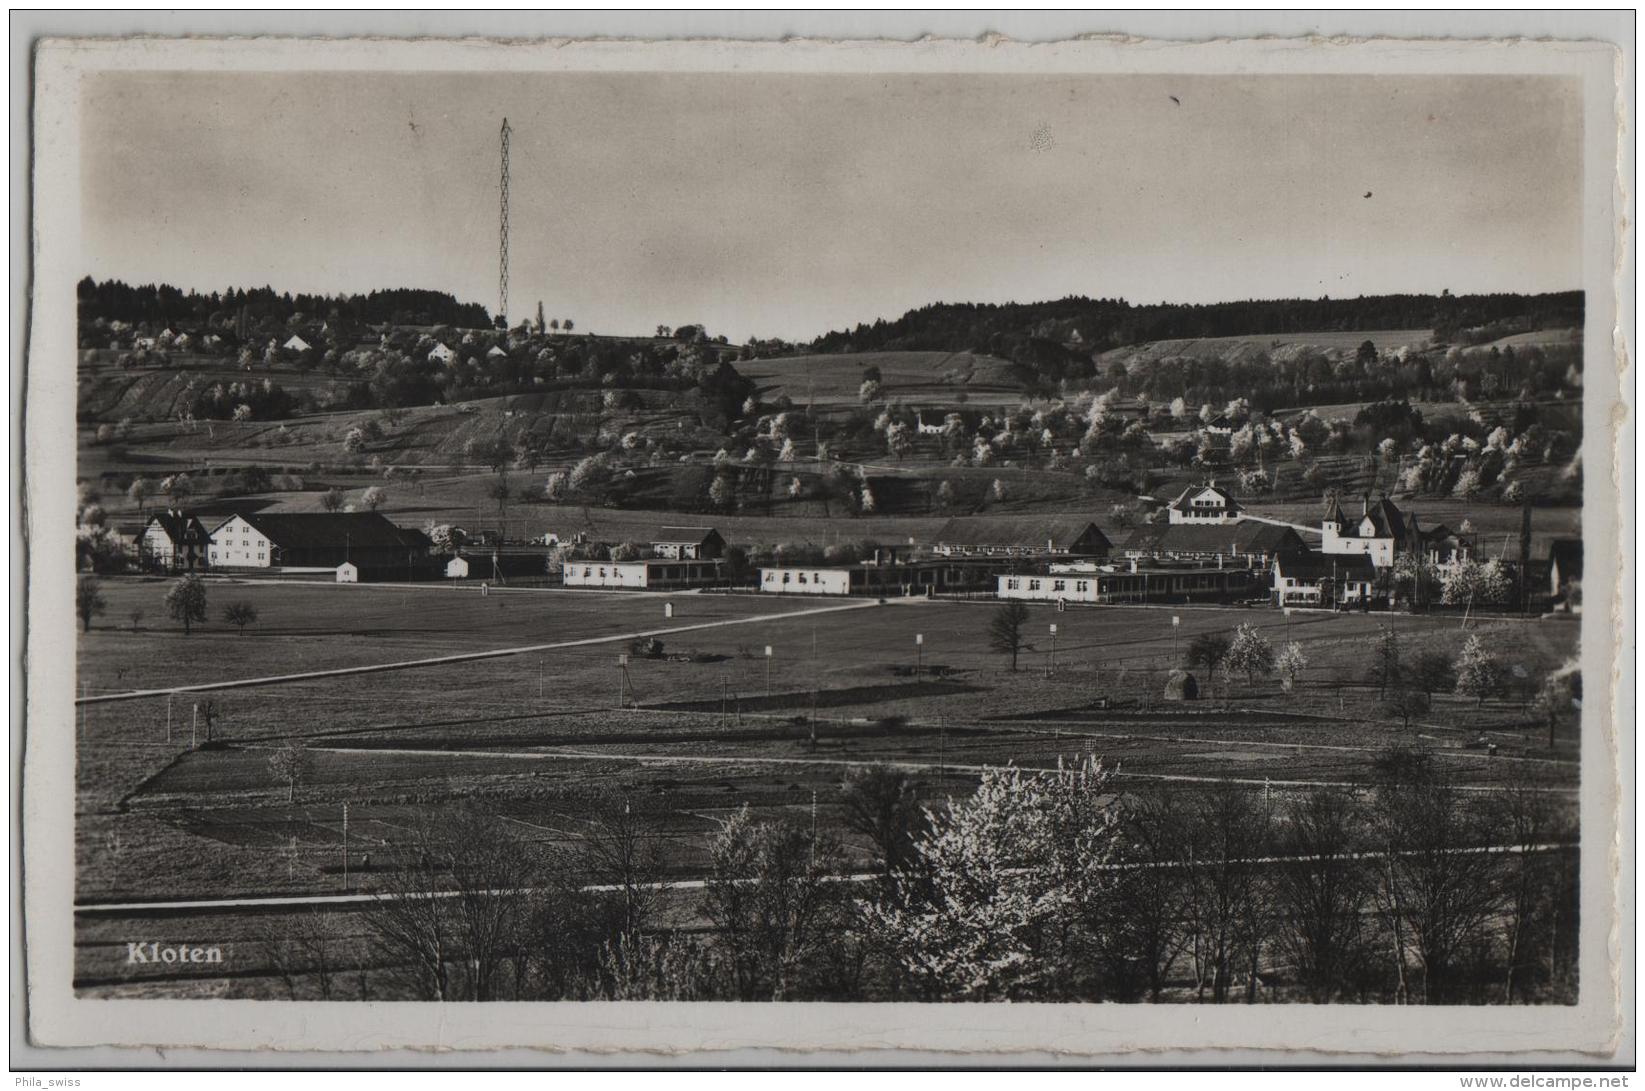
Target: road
[
  {"x": 494, "y": 653},
  {"x": 301, "y": 900}
]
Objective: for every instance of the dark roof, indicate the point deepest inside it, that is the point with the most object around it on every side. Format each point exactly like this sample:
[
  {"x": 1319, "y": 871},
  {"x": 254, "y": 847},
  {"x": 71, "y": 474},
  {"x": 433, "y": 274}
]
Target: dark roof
[
  {"x": 1387, "y": 520},
  {"x": 176, "y": 524},
  {"x": 1181, "y": 502},
  {"x": 1309, "y": 565},
  {"x": 319, "y": 530},
  {"x": 1016, "y": 532},
  {"x": 1567, "y": 554},
  {"x": 1245, "y": 536}
]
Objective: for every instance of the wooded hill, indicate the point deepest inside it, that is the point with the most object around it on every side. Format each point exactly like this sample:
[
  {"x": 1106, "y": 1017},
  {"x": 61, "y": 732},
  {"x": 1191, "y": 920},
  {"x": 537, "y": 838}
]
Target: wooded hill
[{"x": 1063, "y": 335}]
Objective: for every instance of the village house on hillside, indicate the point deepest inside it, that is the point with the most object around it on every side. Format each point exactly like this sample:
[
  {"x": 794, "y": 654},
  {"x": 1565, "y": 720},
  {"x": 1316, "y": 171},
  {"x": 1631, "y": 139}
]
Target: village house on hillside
[
  {"x": 1021, "y": 536},
  {"x": 316, "y": 540},
  {"x": 295, "y": 343},
  {"x": 1204, "y": 504},
  {"x": 174, "y": 541}
]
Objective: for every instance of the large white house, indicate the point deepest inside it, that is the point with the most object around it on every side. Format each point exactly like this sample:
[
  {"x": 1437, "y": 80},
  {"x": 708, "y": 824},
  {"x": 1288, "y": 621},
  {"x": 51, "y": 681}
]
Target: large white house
[
  {"x": 174, "y": 540},
  {"x": 1204, "y": 504},
  {"x": 237, "y": 544}
]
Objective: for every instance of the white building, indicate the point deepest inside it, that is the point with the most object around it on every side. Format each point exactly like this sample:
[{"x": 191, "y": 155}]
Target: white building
[
  {"x": 1380, "y": 533},
  {"x": 1319, "y": 579},
  {"x": 296, "y": 344},
  {"x": 237, "y": 544},
  {"x": 925, "y": 429},
  {"x": 442, "y": 354},
  {"x": 806, "y": 581},
  {"x": 658, "y": 574},
  {"x": 348, "y": 573},
  {"x": 1204, "y": 504},
  {"x": 457, "y": 568}
]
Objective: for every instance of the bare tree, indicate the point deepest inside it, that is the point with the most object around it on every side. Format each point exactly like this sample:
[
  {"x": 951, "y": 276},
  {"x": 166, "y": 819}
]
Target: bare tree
[
  {"x": 1208, "y": 650},
  {"x": 1321, "y": 893},
  {"x": 457, "y": 910},
  {"x": 882, "y": 805},
  {"x": 1006, "y": 634},
  {"x": 240, "y": 614},
  {"x": 1436, "y": 892},
  {"x": 88, "y": 601},
  {"x": 1144, "y": 929},
  {"x": 1227, "y": 908},
  {"x": 625, "y": 851}
]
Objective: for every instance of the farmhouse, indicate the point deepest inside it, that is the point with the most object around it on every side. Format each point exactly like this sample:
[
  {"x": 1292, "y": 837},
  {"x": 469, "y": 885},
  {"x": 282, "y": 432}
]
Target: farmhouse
[
  {"x": 1202, "y": 504},
  {"x": 1245, "y": 542},
  {"x": 1323, "y": 579},
  {"x": 1022, "y": 536},
  {"x": 656, "y": 574},
  {"x": 316, "y": 540},
  {"x": 1111, "y": 584},
  {"x": 174, "y": 541},
  {"x": 441, "y": 353},
  {"x": 296, "y": 344},
  {"x": 687, "y": 543}
]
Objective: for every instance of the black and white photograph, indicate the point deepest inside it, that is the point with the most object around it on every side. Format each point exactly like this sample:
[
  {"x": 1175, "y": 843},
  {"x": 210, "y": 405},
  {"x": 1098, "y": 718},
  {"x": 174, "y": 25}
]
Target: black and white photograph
[{"x": 611, "y": 526}]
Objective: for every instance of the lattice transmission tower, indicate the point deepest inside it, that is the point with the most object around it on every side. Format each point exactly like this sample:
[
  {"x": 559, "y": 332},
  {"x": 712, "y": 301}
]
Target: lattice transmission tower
[{"x": 502, "y": 236}]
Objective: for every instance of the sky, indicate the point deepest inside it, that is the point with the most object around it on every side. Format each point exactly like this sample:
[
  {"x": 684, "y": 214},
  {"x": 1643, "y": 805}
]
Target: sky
[{"x": 788, "y": 205}]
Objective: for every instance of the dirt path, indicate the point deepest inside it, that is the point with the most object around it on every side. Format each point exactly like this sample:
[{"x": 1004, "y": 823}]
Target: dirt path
[
  {"x": 465, "y": 657},
  {"x": 563, "y": 753}
]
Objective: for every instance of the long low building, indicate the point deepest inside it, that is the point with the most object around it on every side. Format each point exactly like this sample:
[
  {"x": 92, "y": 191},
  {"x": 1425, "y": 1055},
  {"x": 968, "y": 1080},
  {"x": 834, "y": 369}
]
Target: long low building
[
  {"x": 927, "y": 576},
  {"x": 653, "y": 574},
  {"x": 1092, "y": 584},
  {"x": 1243, "y": 542}
]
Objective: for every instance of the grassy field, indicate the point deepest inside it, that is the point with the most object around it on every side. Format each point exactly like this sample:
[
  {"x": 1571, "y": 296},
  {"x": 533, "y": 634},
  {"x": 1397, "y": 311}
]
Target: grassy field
[{"x": 540, "y": 737}]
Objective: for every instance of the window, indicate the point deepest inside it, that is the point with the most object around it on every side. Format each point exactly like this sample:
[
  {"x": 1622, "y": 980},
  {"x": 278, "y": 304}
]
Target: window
[
  {"x": 1082, "y": 585},
  {"x": 1059, "y": 585},
  {"x": 1013, "y": 585},
  {"x": 1033, "y": 585}
]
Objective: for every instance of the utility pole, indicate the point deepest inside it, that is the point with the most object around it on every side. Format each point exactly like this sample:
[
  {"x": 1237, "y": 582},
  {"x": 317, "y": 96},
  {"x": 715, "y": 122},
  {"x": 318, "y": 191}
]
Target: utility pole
[
  {"x": 1052, "y": 668},
  {"x": 622, "y": 677},
  {"x": 919, "y": 654},
  {"x": 540, "y": 669},
  {"x": 345, "y": 848},
  {"x": 194, "y": 728},
  {"x": 1176, "y": 623},
  {"x": 502, "y": 233},
  {"x": 168, "y": 717},
  {"x": 768, "y": 653}
]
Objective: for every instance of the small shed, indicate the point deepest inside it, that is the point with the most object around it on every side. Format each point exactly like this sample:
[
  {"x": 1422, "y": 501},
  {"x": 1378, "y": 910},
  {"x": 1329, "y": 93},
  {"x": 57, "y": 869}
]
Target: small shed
[
  {"x": 1181, "y": 686},
  {"x": 296, "y": 344},
  {"x": 457, "y": 568},
  {"x": 348, "y": 572}
]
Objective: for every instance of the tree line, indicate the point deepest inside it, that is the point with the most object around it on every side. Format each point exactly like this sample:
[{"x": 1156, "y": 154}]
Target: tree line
[{"x": 1046, "y": 885}]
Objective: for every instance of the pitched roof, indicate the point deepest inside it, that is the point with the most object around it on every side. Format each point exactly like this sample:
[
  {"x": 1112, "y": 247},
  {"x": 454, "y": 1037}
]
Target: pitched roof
[
  {"x": 1245, "y": 536},
  {"x": 311, "y": 530},
  {"x": 1309, "y": 565},
  {"x": 176, "y": 525},
  {"x": 1015, "y": 532},
  {"x": 1181, "y": 503}
]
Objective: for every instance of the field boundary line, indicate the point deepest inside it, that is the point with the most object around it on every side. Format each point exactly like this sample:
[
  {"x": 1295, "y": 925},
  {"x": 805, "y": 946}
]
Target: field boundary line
[{"x": 466, "y": 657}]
